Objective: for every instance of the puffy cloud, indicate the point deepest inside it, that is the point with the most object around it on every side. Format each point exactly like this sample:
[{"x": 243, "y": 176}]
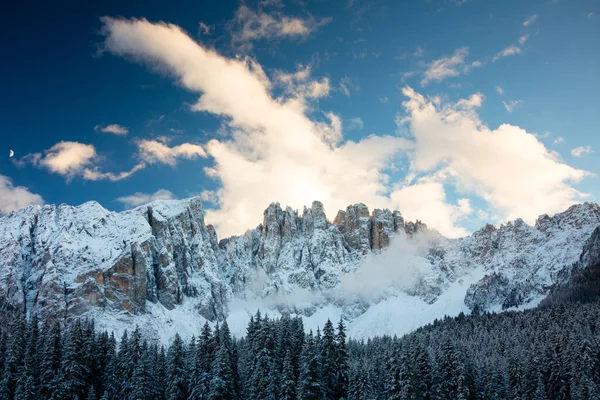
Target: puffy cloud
[
  {"x": 581, "y": 151},
  {"x": 559, "y": 140},
  {"x": 512, "y": 104},
  {"x": 15, "y": 197},
  {"x": 426, "y": 200},
  {"x": 249, "y": 25},
  {"x": 112, "y": 128},
  {"x": 138, "y": 199},
  {"x": 275, "y": 152},
  {"x": 507, "y": 167},
  {"x": 64, "y": 158},
  {"x": 72, "y": 159},
  {"x": 530, "y": 20},
  {"x": 475, "y": 101},
  {"x": 154, "y": 151},
  {"x": 210, "y": 196}
]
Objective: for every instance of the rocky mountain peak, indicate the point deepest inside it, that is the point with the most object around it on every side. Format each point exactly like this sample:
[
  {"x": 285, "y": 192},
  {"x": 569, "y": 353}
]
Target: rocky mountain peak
[{"x": 162, "y": 257}]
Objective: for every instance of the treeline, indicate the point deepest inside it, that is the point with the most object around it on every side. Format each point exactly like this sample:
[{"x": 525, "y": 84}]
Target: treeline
[{"x": 546, "y": 353}]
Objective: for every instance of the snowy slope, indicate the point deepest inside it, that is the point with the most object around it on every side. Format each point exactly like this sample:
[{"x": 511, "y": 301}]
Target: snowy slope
[{"x": 160, "y": 266}]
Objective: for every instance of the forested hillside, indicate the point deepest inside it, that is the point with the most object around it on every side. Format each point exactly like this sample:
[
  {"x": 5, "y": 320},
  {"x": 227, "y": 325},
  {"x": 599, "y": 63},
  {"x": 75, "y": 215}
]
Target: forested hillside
[{"x": 552, "y": 352}]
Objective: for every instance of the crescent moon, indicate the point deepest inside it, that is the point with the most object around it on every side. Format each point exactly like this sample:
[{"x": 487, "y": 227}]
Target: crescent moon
[{"x": 12, "y": 153}]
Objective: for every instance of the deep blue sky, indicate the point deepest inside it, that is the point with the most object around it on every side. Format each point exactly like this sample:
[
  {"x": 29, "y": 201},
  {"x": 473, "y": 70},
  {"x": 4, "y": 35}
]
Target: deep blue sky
[{"x": 56, "y": 86}]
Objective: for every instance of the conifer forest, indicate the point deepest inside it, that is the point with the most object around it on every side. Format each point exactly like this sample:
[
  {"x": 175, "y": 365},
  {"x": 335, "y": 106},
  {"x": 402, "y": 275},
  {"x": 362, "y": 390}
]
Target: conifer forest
[{"x": 551, "y": 352}]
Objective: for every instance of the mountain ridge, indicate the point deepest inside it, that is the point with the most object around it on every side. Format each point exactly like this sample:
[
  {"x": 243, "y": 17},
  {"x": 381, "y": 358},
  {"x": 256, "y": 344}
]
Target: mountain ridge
[{"x": 161, "y": 259}]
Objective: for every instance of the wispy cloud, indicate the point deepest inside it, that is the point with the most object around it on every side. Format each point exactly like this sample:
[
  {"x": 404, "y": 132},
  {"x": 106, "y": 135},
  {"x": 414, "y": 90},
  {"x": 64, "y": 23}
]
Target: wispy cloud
[
  {"x": 15, "y": 197},
  {"x": 153, "y": 151},
  {"x": 355, "y": 123},
  {"x": 299, "y": 84},
  {"x": 138, "y": 199},
  {"x": 95, "y": 174},
  {"x": 523, "y": 39},
  {"x": 499, "y": 90},
  {"x": 508, "y": 51},
  {"x": 531, "y": 20},
  {"x": 447, "y": 144},
  {"x": 446, "y": 67},
  {"x": 559, "y": 140},
  {"x": 512, "y": 104},
  {"x": 347, "y": 86},
  {"x": 205, "y": 29},
  {"x": 249, "y": 25},
  {"x": 112, "y": 128},
  {"x": 384, "y": 99},
  {"x": 581, "y": 151}
]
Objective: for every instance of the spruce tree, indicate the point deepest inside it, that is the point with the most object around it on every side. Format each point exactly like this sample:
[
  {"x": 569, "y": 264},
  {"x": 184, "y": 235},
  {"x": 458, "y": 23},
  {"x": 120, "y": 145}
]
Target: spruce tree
[{"x": 177, "y": 384}]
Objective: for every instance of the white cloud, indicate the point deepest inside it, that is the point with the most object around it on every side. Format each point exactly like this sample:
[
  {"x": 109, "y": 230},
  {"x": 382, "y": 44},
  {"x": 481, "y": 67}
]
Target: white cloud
[
  {"x": 299, "y": 85},
  {"x": 530, "y": 20},
  {"x": 347, "y": 86},
  {"x": 94, "y": 174},
  {"x": 277, "y": 153},
  {"x": 154, "y": 151},
  {"x": 15, "y": 197},
  {"x": 384, "y": 99},
  {"x": 512, "y": 104},
  {"x": 210, "y": 196},
  {"x": 406, "y": 75},
  {"x": 581, "y": 151},
  {"x": 559, "y": 140},
  {"x": 523, "y": 39},
  {"x": 507, "y": 167},
  {"x": 112, "y": 128},
  {"x": 499, "y": 90},
  {"x": 426, "y": 200},
  {"x": 248, "y": 26},
  {"x": 355, "y": 123},
  {"x": 71, "y": 159},
  {"x": 508, "y": 51},
  {"x": 138, "y": 199},
  {"x": 64, "y": 158},
  {"x": 446, "y": 67},
  {"x": 475, "y": 101}
]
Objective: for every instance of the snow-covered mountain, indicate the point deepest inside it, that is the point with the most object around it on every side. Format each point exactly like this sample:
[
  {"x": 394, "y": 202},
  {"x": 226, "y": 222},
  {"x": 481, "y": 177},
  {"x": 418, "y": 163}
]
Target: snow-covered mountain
[{"x": 162, "y": 267}]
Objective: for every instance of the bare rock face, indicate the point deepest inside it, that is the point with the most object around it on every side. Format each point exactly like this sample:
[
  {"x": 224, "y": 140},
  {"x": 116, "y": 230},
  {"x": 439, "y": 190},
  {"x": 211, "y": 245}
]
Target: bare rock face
[
  {"x": 314, "y": 218},
  {"x": 64, "y": 261},
  {"x": 398, "y": 221},
  {"x": 355, "y": 225},
  {"x": 590, "y": 256},
  {"x": 414, "y": 227},
  {"x": 382, "y": 229}
]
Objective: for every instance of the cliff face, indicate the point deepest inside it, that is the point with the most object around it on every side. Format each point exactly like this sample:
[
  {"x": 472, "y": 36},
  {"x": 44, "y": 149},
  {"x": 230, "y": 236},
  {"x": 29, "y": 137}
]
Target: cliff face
[
  {"x": 67, "y": 260},
  {"x": 72, "y": 261}
]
